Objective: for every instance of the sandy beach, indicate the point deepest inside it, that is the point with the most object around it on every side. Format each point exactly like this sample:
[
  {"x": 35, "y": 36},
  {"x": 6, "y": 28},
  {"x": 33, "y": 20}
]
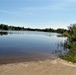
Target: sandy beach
[{"x": 47, "y": 67}]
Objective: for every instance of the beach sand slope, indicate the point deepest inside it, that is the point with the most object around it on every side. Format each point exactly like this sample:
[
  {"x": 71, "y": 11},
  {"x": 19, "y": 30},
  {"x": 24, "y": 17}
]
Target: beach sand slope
[{"x": 47, "y": 67}]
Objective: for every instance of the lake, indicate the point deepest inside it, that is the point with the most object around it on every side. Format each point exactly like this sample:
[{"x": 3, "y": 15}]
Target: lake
[{"x": 20, "y": 46}]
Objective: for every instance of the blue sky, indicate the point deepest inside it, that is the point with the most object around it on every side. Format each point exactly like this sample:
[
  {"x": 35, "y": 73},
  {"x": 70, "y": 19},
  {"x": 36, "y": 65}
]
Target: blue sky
[{"x": 38, "y": 13}]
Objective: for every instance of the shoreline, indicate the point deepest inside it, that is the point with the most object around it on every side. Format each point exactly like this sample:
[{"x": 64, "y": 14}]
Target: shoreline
[
  {"x": 45, "y": 67},
  {"x": 25, "y": 58},
  {"x": 54, "y": 61}
]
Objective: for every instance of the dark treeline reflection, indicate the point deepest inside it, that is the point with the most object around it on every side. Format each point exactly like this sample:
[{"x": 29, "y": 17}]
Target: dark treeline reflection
[
  {"x": 3, "y": 33},
  {"x": 9, "y": 32}
]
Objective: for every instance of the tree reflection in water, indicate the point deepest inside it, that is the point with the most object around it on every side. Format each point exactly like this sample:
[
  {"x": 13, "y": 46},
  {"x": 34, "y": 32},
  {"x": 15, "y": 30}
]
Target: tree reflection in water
[
  {"x": 61, "y": 49},
  {"x": 3, "y": 33}
]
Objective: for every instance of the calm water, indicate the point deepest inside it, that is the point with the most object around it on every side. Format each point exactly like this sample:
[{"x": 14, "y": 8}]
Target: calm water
[{"x": 29, "y": 45}]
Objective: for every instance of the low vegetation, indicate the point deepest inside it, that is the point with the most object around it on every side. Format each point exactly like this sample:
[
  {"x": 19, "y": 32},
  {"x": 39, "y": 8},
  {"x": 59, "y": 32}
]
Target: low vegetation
[{"x": 71, "y": 44}]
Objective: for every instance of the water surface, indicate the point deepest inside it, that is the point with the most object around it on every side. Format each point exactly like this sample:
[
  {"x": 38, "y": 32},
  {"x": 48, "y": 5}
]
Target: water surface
[{"x": 28, "y": 46}]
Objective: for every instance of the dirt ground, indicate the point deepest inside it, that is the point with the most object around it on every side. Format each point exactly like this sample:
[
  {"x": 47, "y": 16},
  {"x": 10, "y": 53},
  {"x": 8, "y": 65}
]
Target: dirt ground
[{"x": 47, "y": 67}]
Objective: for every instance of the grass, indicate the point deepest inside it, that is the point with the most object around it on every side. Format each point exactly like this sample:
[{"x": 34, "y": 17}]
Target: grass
[{"x": 71, "y": 55}]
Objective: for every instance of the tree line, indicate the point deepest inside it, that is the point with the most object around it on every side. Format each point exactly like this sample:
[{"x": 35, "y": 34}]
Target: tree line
[{"x": 6, "y": 27}]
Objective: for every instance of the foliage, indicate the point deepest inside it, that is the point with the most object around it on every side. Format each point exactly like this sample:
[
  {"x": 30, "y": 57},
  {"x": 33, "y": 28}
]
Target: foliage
[
  {"x": 71, "y": 33},
  {"x": 59, "y": 30},
  {"x": 71, "y": 55},
  {"x": 71, "y": 44},
  {"x": 6, "y": 27}
]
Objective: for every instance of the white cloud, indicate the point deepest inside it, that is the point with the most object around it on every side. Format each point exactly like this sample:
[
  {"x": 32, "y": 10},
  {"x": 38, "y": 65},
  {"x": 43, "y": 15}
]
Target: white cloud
[
  {"x": 56, "y": 5},
  {"x": 54, "y": 25},
  {"x": 11, "y": 12},
  {"x": 59, "y": 24},
  {"x": 51, "y": 24}
]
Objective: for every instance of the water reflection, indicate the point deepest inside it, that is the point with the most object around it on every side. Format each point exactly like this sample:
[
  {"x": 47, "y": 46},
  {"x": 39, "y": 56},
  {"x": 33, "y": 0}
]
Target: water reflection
[
  {"x": 61, "y": 48},
  {"x": 3, "y": 33},
  {"x": 29, "y": 44}
]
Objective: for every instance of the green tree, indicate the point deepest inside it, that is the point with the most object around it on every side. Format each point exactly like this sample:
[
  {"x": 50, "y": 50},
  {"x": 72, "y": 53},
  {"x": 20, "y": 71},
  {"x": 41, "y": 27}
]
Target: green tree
[{"x": 71, "y": 33}]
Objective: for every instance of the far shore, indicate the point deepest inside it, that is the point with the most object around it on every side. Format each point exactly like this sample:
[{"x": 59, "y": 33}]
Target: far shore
[{"x": 45, "y": 67}]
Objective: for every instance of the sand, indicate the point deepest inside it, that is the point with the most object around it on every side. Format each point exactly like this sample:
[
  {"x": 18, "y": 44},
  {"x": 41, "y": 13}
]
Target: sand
[{"x": 47, "y": 67}]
